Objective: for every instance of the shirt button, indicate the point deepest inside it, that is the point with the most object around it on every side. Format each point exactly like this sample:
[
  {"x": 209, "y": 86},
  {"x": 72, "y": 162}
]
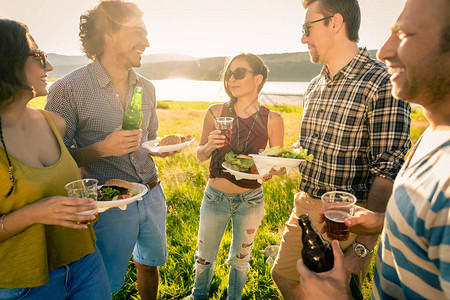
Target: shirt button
[{"x": 316, "y": 135}]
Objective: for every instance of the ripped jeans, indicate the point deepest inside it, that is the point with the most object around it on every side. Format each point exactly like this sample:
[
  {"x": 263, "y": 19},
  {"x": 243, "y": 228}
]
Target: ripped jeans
[{"x": 246, "y": 211}]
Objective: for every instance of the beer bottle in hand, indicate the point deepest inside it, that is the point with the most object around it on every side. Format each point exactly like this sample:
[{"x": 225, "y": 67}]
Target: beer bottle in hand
[
  {"x": 317, "y": 253},
  {"x": 132, "y": 117}
]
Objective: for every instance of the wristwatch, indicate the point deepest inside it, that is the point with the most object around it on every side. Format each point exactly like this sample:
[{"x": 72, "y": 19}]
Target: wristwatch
[{"x": 361, "y": 250}]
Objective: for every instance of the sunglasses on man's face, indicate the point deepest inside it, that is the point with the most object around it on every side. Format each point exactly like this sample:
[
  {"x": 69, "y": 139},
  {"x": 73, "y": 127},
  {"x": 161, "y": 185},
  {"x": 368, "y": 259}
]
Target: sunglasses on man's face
[
  {"x": 238, "y": 74},
  {"x": 307, "y": 26},
  {"x": 40, "y": 56}
]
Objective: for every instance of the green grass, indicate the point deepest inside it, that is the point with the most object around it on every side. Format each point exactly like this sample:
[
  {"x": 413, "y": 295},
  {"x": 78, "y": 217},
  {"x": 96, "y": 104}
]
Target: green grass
[{"x": 184, "y": 178}]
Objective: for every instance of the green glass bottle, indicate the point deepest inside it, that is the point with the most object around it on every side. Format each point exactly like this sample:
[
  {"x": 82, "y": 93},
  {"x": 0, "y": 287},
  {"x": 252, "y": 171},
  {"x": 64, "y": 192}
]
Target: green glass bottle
[{"x": 132, "y": 117}]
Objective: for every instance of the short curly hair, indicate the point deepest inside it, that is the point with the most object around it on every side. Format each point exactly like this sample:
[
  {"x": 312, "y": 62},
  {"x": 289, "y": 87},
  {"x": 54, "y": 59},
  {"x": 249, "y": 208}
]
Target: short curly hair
[
  {"x": 107, "y": 17},
  {"x": 15, "y": 47}
]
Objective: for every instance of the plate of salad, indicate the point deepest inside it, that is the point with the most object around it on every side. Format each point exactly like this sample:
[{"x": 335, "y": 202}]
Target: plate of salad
[
  {"x": 280, "y": 157},
  {"x": 241, "y": 166},
  {"x": 118, "y": 196}
]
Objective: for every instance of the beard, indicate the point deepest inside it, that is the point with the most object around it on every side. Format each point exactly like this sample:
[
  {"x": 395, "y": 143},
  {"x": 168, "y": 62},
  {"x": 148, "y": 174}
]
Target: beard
[
  {"x": 313, "y": 56},
  {"x": 426, "y": 83}
]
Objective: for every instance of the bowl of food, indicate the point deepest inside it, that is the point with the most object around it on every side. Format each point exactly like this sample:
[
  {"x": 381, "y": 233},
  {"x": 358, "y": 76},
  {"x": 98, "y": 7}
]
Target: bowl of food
[{"x": 280, "y": 157}]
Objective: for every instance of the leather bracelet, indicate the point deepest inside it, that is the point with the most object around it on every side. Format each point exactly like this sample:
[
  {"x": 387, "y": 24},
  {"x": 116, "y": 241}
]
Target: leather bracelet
[{"x": 3, "y": 228}]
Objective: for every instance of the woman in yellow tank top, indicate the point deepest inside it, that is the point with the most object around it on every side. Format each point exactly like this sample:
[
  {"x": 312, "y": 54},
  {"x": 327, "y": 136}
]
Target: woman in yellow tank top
[{"x": 43, "y": 252}]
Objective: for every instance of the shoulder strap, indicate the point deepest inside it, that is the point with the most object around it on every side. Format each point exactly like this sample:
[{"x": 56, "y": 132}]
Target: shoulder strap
[
  {"x": 225, "y": 112},
  {"x": 53, "y": 126},
  {"x": 209, "y": 109}
]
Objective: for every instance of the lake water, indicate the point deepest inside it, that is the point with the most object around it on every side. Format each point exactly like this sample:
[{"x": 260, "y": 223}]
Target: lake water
[
  {"x": 276, "y": 92},
  {"x": 212, "y": 91}
]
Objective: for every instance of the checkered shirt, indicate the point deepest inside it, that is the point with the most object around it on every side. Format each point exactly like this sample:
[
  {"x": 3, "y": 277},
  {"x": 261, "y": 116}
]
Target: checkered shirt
[
  {"x": 86, "y": 99},
  {"x": 354, "y": 128}
]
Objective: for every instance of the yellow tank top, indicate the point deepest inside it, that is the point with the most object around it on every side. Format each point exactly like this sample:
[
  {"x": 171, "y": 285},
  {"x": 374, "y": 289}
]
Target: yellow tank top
[{"x": 26, "y": 260}]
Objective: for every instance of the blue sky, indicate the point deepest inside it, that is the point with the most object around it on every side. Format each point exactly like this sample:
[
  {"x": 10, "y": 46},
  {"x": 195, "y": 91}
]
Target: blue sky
[{"x": 199, "y": 27}]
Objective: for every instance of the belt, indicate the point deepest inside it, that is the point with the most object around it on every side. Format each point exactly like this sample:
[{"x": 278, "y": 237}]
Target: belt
[{"x": 153, "y": 183}]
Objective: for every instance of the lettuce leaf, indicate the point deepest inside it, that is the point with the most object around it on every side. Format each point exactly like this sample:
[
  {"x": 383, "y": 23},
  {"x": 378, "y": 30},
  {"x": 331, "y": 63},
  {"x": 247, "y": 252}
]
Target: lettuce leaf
[
  {"x": 232, "y": 159},
  {"x": 297, "y": 153}
]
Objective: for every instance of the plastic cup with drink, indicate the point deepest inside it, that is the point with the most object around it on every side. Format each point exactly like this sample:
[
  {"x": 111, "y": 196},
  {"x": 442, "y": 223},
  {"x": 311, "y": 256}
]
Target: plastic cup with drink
[
  {"x": 84, "y": 188},
  {"x": 225, "y": 125},
  {"x": 337, "y": 207}
]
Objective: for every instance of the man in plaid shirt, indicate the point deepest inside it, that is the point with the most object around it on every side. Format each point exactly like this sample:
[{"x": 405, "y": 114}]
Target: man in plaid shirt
[{"x": 357, "y": 132}]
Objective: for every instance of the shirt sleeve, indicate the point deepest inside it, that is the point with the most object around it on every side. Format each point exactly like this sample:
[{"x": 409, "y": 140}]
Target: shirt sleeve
[
  {"x": 60, "y": 100},
  {"x": 439, "y": 235},
  {"x": 389, "y": 125}
]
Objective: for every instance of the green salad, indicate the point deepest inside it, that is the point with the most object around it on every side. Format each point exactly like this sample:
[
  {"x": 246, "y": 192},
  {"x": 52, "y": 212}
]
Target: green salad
[
  {"x": 108, "y": 193},
  {"x": 297, "y": 153}
]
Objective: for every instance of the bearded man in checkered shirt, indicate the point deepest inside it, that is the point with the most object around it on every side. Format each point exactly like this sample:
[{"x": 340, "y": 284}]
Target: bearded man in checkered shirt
[{"x": 357, "y": 132}]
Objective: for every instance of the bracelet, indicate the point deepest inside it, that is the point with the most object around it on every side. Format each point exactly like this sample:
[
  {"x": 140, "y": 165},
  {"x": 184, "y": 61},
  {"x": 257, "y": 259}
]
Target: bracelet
[{"x": 3, "y": 227}]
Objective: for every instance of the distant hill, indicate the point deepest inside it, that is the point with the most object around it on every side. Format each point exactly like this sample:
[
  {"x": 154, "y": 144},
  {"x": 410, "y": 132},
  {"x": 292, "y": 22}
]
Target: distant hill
[{"x": 283, "y": 67}]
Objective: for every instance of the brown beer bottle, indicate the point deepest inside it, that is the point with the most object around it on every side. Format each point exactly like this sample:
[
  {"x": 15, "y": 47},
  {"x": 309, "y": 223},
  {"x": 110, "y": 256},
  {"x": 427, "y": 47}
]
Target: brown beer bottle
[{"x": 317, "y": 253}]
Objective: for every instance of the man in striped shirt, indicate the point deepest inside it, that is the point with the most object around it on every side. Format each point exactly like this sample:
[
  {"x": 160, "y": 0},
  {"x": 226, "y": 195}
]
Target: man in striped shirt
[
  {"x": 356, "y": 130},
  {"x": 413, "y": 260}
]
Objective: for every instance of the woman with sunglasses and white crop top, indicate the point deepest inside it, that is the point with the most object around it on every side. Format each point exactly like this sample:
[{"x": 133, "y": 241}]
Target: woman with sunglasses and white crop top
[
  {"x": 225, "y": 197},
  {"x": 44, "y": 253}
]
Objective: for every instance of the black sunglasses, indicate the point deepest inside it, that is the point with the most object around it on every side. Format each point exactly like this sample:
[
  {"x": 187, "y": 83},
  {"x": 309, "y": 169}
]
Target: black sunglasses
[
  {"x": 238, "y": 74},
  {"x": 306, "y": 26},
  {"x": 40, "y": 56}
]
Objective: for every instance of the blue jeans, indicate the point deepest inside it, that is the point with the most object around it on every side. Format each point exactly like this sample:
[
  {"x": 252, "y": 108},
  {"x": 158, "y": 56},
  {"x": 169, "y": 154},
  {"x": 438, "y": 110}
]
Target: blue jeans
[
  {"x": 142, "y": 227},
  {"x": 84, "y": 279},
  {"x": 246, "y": 211}
]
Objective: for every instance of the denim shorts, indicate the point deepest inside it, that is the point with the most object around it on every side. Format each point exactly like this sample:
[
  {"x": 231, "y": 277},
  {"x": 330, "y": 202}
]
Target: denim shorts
[
  {"x": 84, "y": 279},
  {"x": 140, "y": 229}
]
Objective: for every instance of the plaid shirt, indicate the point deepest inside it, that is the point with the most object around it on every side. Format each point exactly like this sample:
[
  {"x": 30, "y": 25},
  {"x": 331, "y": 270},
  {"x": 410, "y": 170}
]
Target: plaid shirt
[
  {"x": 354, "y": 128},
  {"x": 86, "y": 99}
]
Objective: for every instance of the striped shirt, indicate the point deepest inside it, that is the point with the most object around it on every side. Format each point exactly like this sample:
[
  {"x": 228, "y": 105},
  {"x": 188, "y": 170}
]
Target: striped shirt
[
  {"x": 86, "y": 99},
  {"x": 354, "y": 128},
  {"x": 414, "y": 254}
]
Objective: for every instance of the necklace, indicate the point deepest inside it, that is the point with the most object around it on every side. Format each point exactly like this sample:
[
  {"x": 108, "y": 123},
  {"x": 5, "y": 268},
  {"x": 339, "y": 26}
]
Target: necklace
[
  {"x": 239, "y": 148},
  {"x": 11, "y": 177}
]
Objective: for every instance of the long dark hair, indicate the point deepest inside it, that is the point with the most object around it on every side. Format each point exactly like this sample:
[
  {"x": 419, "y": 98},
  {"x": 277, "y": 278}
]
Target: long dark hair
[
  {"x": 257, "y": 67},
  {"x": 105, "y": 18},
  {"x": 15, "y": 41}
]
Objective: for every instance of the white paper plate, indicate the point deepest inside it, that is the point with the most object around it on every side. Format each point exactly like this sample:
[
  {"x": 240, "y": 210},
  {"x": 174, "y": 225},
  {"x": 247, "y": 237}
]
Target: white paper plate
[
  {"x": 265, "y": 163},
  {"x": 122, "y": 204},
  {"x": 241, "y": 175},
  {"x": 153, "y": 146}
]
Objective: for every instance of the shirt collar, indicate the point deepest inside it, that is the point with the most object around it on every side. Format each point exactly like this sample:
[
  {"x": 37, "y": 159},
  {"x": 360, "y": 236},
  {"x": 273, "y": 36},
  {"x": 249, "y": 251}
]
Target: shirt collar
[
  {"x": 353, "y": 68},
  {"x": 103, "y": 78}
]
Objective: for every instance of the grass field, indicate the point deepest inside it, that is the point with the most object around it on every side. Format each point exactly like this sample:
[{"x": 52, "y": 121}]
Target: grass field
[{"x": 184, "y": 178}]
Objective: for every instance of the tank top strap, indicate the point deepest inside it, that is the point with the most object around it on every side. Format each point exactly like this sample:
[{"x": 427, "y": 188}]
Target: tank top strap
[
  {"x": 264, "y": 111},
  {"x": 227, "y": 110},
  {"x": 53, "y": 126}
]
